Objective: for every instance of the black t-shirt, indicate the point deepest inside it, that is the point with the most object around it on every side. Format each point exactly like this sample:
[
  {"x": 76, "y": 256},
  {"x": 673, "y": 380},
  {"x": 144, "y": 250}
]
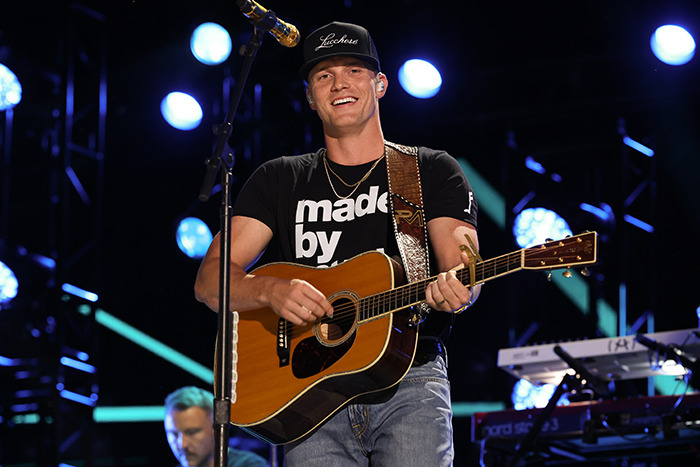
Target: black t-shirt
[{"x": 312, "y": 226}]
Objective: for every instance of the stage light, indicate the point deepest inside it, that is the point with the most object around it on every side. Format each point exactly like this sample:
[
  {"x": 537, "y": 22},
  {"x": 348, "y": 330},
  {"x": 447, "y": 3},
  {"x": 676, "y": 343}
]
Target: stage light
[
  {"x": 420, "y": 78},
  {"x": 193, "y": 237},
  {"x": 121, "y": 414},
  {"x": 639, "y": 223},
  {"x": 210, "y": 44},
  {"x": 181, "y": 111},
  {"x": 535, "y": 166},
  {"x": 604, "y": 212},
  {"x": 672, "y": 45},
  {"x": 527, "y": 395},
  {"x": 80, "y": 293},
  {"x": 142, "y": 339},
  {"x": 8, "y": 284},
  {"x": 638, "y": 146},
  {"x": 26, "y": 419},
  {"x": 536, "y": 225},
  {"x": 10, "y": 89},
  {"x": 90, "y": 401},
  {"x": 23, "y": 275},
  {"x": 78, "y": 365}
]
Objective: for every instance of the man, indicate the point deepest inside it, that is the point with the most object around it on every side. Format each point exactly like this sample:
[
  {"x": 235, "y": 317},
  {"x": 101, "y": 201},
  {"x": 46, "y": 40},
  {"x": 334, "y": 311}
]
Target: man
[
  {"x": 279, "y": 216},
  {"x": 189, "y": 427}
]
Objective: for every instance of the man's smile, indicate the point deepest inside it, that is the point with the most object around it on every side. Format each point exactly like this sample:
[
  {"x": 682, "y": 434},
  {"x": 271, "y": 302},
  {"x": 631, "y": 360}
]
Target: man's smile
[{"x": 344, "y": 100}]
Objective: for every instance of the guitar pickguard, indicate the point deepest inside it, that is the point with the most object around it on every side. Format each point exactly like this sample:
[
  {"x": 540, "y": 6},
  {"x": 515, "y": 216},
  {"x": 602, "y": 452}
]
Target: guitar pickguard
[{"x": 311, "y": 357}]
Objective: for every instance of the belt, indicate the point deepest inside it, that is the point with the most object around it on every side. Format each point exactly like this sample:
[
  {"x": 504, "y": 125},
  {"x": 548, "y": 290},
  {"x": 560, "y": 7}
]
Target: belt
[{"x": 428, "y": 349}]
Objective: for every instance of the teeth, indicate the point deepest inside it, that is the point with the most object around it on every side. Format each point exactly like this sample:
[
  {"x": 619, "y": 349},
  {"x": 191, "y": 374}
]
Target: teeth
[{"x": 344, "y": 100}]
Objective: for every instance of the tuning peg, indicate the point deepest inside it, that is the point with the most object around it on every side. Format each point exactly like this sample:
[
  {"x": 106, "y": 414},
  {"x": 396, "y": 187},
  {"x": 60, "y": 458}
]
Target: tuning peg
[
  {"x": 566, "y": 273},
  {"x": 549, "y": 275},
  {"x": 585, "y": 272}
]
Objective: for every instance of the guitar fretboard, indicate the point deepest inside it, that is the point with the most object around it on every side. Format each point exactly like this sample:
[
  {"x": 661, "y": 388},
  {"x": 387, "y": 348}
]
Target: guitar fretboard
[
  {"x": 570, "y": 251},
  {"x": 379, "y": 305}
]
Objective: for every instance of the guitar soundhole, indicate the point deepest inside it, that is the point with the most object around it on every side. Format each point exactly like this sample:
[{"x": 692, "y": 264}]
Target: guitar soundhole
[
  {"x": 332, "y": 339},
  {"x": 334, "y": 331}
]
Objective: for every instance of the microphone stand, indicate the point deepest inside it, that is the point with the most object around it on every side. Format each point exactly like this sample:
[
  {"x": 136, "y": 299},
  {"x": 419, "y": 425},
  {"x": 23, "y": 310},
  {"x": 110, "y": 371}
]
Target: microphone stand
[
  {"x": 580, "y": 378},
  {"x": 690, "y": 362},
  {"x": 527, "y": 444},
  {"x": 223, "y": 156}
]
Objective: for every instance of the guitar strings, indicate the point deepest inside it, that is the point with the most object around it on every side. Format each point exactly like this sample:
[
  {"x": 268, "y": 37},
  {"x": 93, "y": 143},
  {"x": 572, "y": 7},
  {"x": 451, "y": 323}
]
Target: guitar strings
[{"x": 383, "y": 303}]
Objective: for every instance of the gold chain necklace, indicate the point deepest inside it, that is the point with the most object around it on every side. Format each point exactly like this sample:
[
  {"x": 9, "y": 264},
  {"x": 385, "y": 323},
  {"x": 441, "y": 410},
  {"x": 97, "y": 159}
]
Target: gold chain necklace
[{"x": 355, "y": 185}]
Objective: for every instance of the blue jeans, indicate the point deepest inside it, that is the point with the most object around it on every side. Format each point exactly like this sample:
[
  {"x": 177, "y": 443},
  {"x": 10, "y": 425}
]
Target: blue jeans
[{"x": 413, "y": 428}]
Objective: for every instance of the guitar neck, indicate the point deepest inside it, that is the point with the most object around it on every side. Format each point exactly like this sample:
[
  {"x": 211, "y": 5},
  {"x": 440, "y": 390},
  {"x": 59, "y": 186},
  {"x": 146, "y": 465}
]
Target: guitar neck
[
  {"x": 570, "y": 251},
  {"x": 379, "y": 305}
]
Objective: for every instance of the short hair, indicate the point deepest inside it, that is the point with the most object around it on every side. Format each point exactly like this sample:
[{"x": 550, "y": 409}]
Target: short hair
[{"x": 190, "y": 396}]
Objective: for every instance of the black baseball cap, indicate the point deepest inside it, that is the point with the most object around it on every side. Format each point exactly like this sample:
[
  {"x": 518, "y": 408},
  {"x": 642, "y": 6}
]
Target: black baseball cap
[{"x": 338, "y": 39}]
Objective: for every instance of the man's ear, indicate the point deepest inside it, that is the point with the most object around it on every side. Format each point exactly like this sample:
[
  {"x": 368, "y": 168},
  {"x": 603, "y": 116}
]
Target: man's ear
[{"x": 381, "y": 85}]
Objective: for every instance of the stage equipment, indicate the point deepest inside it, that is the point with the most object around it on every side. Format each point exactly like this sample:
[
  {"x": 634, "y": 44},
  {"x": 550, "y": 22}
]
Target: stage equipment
[
  {"x": 420, "y": 78},
  {"x": 672, "y": 45},
  {"x": 536, "y": 225},
  {"x": 10, "y": 89},
  {"x": 586, "y": 368},
  {"x": 211, "y": 44},
  {"x": 181, "y": 111},
  {"x": 586, "y": 432},
  {"x": 193, "y": 237},
  {"x": 610, "y": 358}
]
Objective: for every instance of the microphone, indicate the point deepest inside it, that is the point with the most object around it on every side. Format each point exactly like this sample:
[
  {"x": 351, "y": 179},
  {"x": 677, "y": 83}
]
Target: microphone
[
  {"x": 285, "y": 33},
  {"x": 688, "y": 361},
  {"x": 594, "y": 382}
]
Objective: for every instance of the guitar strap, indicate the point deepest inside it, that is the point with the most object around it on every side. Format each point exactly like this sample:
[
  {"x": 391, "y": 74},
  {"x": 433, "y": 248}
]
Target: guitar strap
[{"x": 408, "y": 215}]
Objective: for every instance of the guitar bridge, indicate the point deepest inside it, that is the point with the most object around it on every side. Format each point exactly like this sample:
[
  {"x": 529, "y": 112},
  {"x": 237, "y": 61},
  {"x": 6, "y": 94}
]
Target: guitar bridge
[{"x": 284, "y": 330}]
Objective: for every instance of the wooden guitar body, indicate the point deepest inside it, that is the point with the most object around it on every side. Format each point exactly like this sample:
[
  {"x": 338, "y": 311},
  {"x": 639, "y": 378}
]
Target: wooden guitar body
[{"x": 282, "y": 398}]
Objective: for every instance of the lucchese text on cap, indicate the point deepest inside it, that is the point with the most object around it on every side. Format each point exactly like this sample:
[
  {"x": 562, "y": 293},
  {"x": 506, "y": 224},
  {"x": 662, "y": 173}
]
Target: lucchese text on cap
[{"x": 329, "y": 41}]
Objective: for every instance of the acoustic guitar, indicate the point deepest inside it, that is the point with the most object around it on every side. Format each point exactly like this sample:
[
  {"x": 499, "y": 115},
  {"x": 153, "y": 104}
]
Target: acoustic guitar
[{"x": 289, "y": 379}]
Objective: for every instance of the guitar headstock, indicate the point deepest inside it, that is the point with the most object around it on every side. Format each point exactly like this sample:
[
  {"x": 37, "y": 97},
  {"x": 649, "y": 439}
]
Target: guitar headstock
[{"x": 570, "y": 251}]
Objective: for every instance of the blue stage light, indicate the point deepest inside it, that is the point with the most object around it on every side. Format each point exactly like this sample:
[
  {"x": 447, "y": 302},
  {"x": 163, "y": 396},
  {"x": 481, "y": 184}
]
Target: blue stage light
[
  {"x": 638, "y": 146},
  {"x": 528, "y": 396},
  {"x": 90, "y": 401},
  {"x": 181, "y": 111},
  {"x": 535, "y": 166},
  {"x": 80, "y": 293},
  {"x": 81, "y": 366},
  {"x": 10, "y": 89},
  {"x": 536, "y": 225},
  {"x": 604, "y": 212},
  {"x": 8, "y": 284},
  {"x": 193, "y": 237},
  {"x": 420, "y": 78},
  {"x": 639, "y": 223},
  {"x": 210, "y": 44},
  {"x": 673, "y": 45}
]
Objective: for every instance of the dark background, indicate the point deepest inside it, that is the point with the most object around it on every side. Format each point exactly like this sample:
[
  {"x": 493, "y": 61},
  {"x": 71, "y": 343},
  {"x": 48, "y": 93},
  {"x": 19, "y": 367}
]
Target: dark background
[{"x": 551, "y": 80}]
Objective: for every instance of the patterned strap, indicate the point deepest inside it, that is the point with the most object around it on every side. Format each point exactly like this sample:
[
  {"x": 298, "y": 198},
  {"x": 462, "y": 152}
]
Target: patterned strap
[{"x": 406, "y": 200}]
